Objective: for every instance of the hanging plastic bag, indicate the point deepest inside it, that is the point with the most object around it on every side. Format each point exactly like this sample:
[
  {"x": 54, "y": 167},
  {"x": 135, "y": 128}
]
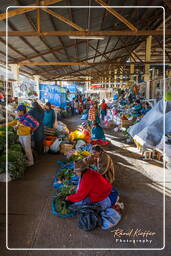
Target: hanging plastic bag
[{"x": 55, "y": 147}]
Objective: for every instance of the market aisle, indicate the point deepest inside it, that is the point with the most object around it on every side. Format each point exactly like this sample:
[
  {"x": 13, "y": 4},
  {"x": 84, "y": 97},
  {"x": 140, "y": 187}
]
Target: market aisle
[{"x": 32, "y": 225}]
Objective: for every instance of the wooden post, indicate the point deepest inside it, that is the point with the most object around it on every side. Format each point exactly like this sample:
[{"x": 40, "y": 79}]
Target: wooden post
[
  {"x": 38, "y": 18},
  {"x": 110, "y": 79},
  {"x": 147, "y": 66},
  {"x": 147, "y": 58},
  {"x": 15, "y": 70},
  {"x": 37, "y": 80},
  {"x": 121, "y": 79},
  {"x": 61, "y": 83},
  {"x": 115, "y": 75},
  {"x": 132, "y": 69}
]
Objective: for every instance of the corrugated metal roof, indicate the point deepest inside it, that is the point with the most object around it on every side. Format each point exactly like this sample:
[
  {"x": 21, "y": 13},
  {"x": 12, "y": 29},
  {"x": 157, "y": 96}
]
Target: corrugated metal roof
[{"x": 92, "y": 19}]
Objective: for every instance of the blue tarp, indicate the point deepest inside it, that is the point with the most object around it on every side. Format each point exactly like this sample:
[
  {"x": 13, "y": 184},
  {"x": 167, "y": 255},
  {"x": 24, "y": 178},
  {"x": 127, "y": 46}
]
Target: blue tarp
[{"x": 53, "y": 94}]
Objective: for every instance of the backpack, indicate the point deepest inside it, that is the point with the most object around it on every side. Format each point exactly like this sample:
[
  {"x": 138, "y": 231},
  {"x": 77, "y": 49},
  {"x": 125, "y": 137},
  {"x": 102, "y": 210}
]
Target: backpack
[
  {"x": 89, "y": 217},
  {"x": 88, "y": 220}
]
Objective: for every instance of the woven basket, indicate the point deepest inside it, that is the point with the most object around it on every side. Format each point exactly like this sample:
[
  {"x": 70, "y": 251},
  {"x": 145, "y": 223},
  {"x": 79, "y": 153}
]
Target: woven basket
[
  {"x": 65, "y": 148},
  {"x": 126, "y": 123}
]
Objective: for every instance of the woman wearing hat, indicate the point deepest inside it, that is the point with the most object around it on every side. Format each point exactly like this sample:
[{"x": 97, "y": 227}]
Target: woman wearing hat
[
  {"x": 102, "y": 162},
  {"x": 92, "y": 188},
  {"x": 24, "y": 125}
]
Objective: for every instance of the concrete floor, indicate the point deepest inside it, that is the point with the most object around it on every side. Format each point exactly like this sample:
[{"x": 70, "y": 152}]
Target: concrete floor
[{"x": 32, "y": 225}]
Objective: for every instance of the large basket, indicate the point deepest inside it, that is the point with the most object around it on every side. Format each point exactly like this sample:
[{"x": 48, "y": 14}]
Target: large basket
[
  {"x": 65, "y": 148},
  {"x": 126, "y": 123}
]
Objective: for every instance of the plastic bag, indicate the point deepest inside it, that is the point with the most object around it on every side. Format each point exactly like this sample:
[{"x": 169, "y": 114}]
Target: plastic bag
[
  {"x": 80, "y": 143},
  {"x": 150, "y": 129},
  {"x": 76, "y": 135},
  {"x": 84, "y": 117},
  {"x": 110, "y": 218},
  {"x": 55, "y": 147},
  {"x": 3, "y": 177}
]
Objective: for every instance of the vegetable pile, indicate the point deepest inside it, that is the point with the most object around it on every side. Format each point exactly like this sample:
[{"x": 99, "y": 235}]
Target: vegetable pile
[
  {"x": 16, "y": 158},
  {"x": 62, "y": 206},
  {"x": 77, "y": 155}
]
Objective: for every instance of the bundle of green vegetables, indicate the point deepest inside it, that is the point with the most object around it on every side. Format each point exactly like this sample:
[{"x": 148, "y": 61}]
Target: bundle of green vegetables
[
  {"x": 16, "y": 158},
  {"x": 16, "y": 162},
  {"x": 62, "y": 206},
  {"x": 12, "y": 137},
  {"x": 64, "y": 174}
]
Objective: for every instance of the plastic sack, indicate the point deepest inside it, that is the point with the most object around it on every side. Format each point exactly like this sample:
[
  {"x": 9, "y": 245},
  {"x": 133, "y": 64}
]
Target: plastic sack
[
  {"x": 150, "y": 129},
  {"x": 80, "y": 143},
  {"x": 62, "y": 128},
  {"x": 84, "y": 117},
  {"x": 55, "y": 147},
  {"x": 56, "y": 184},
  {"x": 3, "y": 177},
  {"x": 110, "y": 218},
  {"x": 76, "y": 135}
]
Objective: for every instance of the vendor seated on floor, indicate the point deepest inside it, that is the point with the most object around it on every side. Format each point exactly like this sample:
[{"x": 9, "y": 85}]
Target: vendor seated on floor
[
  {"x": 92, "y": 188},
  {"x": 102, "y": 162},
  {"x": 97, "y": 132}
]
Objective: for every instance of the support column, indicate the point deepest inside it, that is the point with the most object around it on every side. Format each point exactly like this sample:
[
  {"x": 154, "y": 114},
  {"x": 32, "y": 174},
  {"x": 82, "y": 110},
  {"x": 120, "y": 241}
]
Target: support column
[
  {"x": 148, "y": 58},
  {"x": 147, "y": 66},
  {"x": 169, "y": 73},
  {"x": 148, "y": 89},
  {"x": 61, "y": 83},
  {"x": 87, "y": 78},
  {"x": 121, "y": 79},
  {"x": 115, "y": 77},
  {"x": 37, "y": 80},
  {"x": 15, "y": 70},
  {"x": 132, "y": 70},
  {"x": 109, "y": 78}
]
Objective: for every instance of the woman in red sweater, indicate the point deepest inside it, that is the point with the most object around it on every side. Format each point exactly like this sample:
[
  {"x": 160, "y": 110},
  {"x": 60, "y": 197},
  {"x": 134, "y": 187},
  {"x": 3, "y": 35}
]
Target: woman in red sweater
[{"x": 92, "y": 188}]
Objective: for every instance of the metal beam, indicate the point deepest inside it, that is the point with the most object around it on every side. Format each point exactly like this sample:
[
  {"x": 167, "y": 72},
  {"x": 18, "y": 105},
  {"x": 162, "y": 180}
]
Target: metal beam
[
  {"x": 82, "y": 63},
  {"x": 24, "y": 10},
  {"x": 87, "y": 33},
  {"x": 63, "y": 19},
  {"x": 117, "y": 15}
]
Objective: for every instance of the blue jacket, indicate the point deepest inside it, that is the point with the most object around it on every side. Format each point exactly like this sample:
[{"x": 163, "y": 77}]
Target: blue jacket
[
  {"x": 49, "y": 118},
  {"x": 97, "y": 133}
]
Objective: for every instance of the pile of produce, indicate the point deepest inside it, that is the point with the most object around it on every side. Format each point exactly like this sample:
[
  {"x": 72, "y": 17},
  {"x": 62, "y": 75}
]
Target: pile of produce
[
  {"x": 64, "y": 174},
  {"x": 62, "y": 206},
  {"x": 75, "y": 155},
  {"x": 16, "y": 158},
  {"x": 11, "y": 112}
]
